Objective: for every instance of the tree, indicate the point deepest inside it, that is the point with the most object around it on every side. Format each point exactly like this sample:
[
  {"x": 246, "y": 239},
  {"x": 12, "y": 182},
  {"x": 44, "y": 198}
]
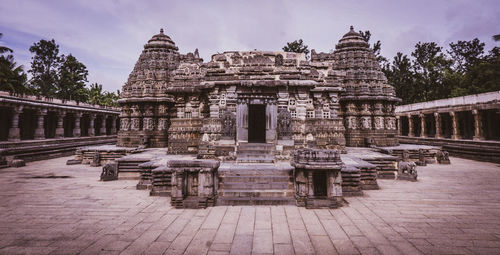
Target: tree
[
  {"x": 466, "y": 54},
  {"x": 297, "y": 46},
  {"x": 95, "y": 94},
  {"x": 12, "y": 76},
  {"x": 376, "y": 47},
  {"x": 483, "y": 76},
  {"x": 4, "y": 49},
  {"x": 429, "y": 67},
  {"x": 400, "y": 75},
  {"x": 71, "y": 80},
  {"x": 111, "y": 99},
  {"x": 496, "y": 38},
  {"x": 44, "y": 66}
]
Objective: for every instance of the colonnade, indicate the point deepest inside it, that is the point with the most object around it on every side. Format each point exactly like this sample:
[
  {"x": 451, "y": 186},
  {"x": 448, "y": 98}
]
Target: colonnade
[
  {"x": 26, "y": 123},
  {"x": 472, "y": 124},
  {"x": 31, "y": 118}
]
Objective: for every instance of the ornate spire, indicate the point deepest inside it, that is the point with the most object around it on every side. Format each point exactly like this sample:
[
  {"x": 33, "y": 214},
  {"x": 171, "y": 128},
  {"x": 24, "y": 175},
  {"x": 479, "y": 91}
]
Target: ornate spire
[
  {"x": 161, "y": 30},
  {"x": 352, "y": 28}
]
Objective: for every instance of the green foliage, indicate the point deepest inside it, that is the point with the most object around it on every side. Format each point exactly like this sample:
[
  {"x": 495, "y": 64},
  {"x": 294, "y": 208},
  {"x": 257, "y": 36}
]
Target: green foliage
[
  {"x": 483, "y": 76},
  {"x": 64, "y": 77},
  {"x": 429, "y": 68},
  {"x": 297, "y": 46},
  {"x": 466, "y": 54},
  {"x": 4, "y": 49},
  {"x": 44, "y": 66},
  {"x": 400, "y": 75},
  {"x": 376, "y": 47},
  {"x": 97, "y": 96},
  {"x": 433, "y": 74},
  {"x": 12, "y": 76},
  {"x": 72, "y": 76}
]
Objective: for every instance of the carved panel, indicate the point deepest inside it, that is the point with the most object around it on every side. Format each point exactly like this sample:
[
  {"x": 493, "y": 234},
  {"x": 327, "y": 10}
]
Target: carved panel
[
  {"x": 284, "y": 124},
  {"x": 228, "y": 124}
]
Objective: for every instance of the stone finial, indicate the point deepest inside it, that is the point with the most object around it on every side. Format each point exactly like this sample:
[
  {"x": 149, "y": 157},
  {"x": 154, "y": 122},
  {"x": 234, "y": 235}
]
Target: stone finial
[
  {"x": 161, "y": 30},
  {"x": 352, "y": 28}
]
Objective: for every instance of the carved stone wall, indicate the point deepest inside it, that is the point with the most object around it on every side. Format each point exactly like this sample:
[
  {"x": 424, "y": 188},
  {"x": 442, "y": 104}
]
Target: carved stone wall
[{"x": 333, "y": 100}]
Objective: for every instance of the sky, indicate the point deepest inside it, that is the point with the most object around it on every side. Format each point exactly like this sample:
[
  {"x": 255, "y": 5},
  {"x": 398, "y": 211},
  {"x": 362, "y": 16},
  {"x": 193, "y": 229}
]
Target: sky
[{"x": 108, "y": 35}]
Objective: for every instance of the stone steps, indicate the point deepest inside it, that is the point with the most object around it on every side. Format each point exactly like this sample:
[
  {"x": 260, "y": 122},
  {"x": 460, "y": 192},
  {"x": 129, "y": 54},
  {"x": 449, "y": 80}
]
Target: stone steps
[
  {"x": 255, "y": 153},
  {"x": 265, "y": 186},
  {"x": 255, "y": 184},
  {"x": 255, "y": 201}
]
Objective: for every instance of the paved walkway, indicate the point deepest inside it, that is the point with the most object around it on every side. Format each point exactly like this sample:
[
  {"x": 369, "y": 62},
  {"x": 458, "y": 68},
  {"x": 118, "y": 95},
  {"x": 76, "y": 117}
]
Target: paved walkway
[{"x": 451, "y": 209}]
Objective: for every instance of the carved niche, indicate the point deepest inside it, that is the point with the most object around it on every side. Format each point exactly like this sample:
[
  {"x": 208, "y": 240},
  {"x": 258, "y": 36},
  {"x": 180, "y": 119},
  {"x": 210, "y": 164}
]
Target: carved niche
[
  {"x": 228, "y": 125},
  {"x": 284, "y": 124}
]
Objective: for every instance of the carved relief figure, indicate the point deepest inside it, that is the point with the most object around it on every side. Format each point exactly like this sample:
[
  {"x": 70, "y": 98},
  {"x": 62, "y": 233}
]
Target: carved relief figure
[
  {"x": 366, "y": 122},
  {"x": 379, "y": 123},
  {"x": 284, "y": 124},
  {"x": 228, "y": 124}
]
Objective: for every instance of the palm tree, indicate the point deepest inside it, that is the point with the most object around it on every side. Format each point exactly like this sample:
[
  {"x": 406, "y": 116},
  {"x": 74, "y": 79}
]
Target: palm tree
[
  {"x": 4, "y": 49},
  {"x": 12, "y": 76}
]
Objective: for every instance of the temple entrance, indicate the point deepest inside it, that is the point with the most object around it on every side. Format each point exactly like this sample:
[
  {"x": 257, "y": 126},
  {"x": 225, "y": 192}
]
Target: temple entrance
[
  {"x": 256, "y": 123},
  {"x": 319, "y": 181}
]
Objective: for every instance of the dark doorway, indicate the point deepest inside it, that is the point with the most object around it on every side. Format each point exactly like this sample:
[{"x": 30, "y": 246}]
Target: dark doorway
[
  {"x": 319, "y": 181},
  {"x": 416, "y": 125},
  {"x": 404, "y": 125},
  {"x": 446, "y": 125},
  {"x": 257, "y": 123},
  {"x": 6, "y": 118}
]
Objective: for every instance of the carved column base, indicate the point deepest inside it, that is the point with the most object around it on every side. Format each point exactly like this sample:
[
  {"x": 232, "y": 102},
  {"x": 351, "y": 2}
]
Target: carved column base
[
  {"x": 39, "y": 134},
  {"x": 59, "y": 132},
  {"x": 478, "y": 138},
  {"x": 14, "y": 134}
]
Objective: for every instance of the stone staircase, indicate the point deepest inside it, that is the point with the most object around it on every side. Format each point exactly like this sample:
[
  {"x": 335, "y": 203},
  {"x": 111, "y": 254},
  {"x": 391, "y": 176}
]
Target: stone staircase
[
  {"x": 255, "y": 184},
  {"x": 255, "y": 153}
]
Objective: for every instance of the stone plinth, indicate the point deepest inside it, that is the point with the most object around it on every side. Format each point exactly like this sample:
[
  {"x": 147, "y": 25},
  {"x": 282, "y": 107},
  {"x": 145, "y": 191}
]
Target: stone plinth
[
  {"x": 318, "y": 181},
  {"x": 194, "y": 183}
]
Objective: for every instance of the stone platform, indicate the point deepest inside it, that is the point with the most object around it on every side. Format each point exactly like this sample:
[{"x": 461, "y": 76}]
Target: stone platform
[
  {"x": 429, "y": 152},
  {"x": 33, "y": 150},
  {"x": 52, "y": 208},
  {"x": 107, "y": 153},
  {"x": 387, "y": 165}
]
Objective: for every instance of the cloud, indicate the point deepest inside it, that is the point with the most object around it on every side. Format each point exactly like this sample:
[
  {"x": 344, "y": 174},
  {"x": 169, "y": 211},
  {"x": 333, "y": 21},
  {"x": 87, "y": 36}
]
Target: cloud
[{"x": 108, "y": 36}]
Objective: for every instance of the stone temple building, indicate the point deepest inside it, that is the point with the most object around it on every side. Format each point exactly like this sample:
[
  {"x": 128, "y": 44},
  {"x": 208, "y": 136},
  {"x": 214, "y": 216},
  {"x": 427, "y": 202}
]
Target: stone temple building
[{"x": 268, "y": 101}]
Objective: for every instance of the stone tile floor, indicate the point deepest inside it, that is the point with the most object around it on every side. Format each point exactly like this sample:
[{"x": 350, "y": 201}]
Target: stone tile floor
[{"x": 451, "y": 209}]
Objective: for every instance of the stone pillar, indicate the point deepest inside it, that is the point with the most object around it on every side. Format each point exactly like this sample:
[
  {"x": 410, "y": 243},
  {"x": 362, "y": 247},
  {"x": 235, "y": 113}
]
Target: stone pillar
[
  {"x": 310, "y": 187},
  {"x": 422, "y": 125},
  {"x": 14, "y": 131},
  {"x": 454, "y": 126},
  {"x": 113, "y": 125},
  {"x": 77, "y": 130},
  {"x": 40, "y": 130},
  {"x": 478, "y": 126},
  {"x": 60, "y": 125},
  {"x": 91, "y": 125},
  {"x": 102, "y": 130},
  {"x": 410, "y": 126},
  {"x": 437, "y": 120},
  {"x": 398, "y": 121}
]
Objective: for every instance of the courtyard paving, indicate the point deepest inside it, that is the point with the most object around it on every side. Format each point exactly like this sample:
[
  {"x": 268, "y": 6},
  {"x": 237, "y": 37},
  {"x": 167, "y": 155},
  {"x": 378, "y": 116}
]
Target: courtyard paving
[{"x": 50, "y": 208}]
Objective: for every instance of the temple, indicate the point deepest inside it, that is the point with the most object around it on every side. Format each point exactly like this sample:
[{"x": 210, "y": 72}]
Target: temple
[{"x": 246, "y": 101}]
